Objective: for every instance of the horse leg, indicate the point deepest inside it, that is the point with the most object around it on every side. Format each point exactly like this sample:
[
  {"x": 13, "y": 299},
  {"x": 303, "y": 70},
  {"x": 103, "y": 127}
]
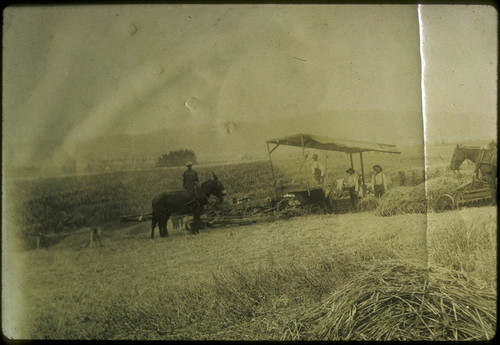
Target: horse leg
[
  {"x": 154, "y": 221},
  {"x": 161, "y": 225},
  {"x": 196, "y": 222},
  {"x": 164, "y": 227}
]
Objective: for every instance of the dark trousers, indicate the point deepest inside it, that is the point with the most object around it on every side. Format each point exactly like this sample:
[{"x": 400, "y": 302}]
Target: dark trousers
[
  {"x": 317, "y": 176},
  {"x": 354, "y": 198},
  {"x": 379, "y": 190}
]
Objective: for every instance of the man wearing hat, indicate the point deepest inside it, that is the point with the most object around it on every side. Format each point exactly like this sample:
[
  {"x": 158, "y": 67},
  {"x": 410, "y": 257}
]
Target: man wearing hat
[
  {"x": 190, "y": 177},
  {"x": 379, "y": 182},
  {"x": 318, "y": 169},
  {"x": 353, "y": 185}
]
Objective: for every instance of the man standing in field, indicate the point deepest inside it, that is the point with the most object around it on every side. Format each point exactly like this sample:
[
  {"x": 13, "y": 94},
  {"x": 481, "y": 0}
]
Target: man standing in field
[
  {"x": 190, "y": 177},
  {"x": 318, "y": 169},
  {"x": 379, "y": 182},
  {"x": 353, "y": 185}
]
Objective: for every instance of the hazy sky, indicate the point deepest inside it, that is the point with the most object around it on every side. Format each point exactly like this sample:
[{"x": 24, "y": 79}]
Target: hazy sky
[
  {"x": 461, "y": 58},
  {"x": 76, "y": 72}
]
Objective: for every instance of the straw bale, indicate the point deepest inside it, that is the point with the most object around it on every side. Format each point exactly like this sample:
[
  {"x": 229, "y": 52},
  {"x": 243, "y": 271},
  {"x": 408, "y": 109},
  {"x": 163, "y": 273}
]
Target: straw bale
[{"x": 400, "y": 301}]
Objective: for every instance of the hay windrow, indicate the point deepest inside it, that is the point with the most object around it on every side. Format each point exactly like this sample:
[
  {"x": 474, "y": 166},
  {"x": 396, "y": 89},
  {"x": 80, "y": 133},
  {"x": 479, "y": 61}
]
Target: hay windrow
[{"x": 400, "y": 301}]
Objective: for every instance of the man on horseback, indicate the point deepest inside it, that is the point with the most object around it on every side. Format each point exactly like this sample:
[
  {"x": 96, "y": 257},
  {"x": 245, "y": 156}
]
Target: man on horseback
[{"x": 190, "y": 177}]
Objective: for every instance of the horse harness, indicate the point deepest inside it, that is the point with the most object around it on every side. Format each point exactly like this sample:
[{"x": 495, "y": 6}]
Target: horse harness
[{"x": 199, "y": 195}]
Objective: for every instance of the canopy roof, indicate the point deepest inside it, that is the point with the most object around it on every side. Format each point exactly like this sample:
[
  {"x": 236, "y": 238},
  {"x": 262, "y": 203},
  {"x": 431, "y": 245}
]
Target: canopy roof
[{"x": 331, "y": 144}]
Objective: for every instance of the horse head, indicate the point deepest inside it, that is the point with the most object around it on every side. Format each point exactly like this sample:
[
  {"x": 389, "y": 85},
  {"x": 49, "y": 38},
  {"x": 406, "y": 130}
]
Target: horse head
[
  {"x": 217, "y": 188},
  {"x": 457, "y": 158}
]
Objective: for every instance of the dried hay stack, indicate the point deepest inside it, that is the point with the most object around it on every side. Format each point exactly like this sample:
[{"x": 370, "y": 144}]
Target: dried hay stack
[
  {"x": 401, "y": 200},
  {"x": 400, "y": 301},
  {"x": 419, "y": 198},
  {"x": 368, "y": 203},
  {"x": 442, "y": 185}
]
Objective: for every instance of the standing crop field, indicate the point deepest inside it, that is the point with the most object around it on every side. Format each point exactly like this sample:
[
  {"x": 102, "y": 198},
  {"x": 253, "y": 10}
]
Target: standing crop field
[
  {"x": 61, "y": 204},
  {"x": 66, "y": 203}
]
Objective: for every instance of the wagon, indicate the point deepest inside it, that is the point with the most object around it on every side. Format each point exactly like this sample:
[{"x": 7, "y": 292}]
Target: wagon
[
  {"x": 313, "y": 199},
  {"x": 312, "y": 195}
]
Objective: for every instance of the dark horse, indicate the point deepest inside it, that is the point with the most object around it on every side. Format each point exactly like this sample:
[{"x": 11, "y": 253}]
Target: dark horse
[
  {"x": 485, "y": 159},
  {"x": 183, "y": 202}
]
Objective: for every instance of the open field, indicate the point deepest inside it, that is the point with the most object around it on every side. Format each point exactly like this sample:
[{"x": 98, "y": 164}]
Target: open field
[
  {"x": 252, "y": 282},
  {"x": 286, "y": 279},
  {"x": 67, "y": 203}
]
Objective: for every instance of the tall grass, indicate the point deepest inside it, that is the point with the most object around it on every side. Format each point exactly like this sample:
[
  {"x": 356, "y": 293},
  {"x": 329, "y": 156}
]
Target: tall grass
[
  {"x": 465, "y": 242},
  {"x": 264, "y": 282}
]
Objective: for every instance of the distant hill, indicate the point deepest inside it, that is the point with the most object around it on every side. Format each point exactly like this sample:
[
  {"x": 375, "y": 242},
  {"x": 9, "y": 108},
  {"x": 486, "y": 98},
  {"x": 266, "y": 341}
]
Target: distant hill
[
  {"x": 231, "y": 140},
  {"x": 209, "y": 142},
  {"x": 237, "y": 139}
]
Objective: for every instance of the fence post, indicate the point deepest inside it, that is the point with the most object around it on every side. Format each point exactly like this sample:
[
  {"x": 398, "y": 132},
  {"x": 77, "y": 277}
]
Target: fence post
[{"x": 91, "y": 238}]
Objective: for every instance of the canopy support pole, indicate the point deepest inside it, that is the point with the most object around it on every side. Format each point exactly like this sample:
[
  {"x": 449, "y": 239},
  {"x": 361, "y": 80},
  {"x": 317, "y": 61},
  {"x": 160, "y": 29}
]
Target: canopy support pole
[
  {"x": 304, "y": 157},
  {"x": 274, "y": 148},
  {"x": 272, "y": 168},
  {"x": 362, "y": 171},
  {"x": 352, "y": 164},
  {"x": 326, "y": 164}
]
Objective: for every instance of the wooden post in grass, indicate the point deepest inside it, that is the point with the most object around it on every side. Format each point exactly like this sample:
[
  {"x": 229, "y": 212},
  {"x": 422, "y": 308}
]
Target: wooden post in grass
[{"x": 94, "y": 233}]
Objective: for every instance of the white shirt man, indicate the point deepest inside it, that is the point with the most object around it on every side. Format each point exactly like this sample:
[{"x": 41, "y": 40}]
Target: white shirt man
[
  {"x": 318, "y": 170},
  {"x": 379, "y": 181}
]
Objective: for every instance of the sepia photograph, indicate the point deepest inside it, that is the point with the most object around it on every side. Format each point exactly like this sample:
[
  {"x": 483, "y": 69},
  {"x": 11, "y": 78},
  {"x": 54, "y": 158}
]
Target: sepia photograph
[{"x": 266, "y": 172}]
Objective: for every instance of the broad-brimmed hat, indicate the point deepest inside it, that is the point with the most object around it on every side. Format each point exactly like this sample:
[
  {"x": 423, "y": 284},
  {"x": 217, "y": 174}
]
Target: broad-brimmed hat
[
  {"x": 377, "y": 166},
  {"x": 189, "y": 163},
  {"x": 349, "y": 170}
]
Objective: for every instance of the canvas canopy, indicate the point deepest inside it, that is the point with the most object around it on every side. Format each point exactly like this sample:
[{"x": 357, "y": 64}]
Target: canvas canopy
[{"x": 331, "y": 144}]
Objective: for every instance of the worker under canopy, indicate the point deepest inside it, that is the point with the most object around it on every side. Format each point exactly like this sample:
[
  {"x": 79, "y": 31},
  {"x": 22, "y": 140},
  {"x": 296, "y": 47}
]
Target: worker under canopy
[{"x": 331, "y": 144}]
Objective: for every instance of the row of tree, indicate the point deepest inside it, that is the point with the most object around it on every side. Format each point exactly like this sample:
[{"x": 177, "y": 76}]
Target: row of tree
[{"x": 176, "y": 158}]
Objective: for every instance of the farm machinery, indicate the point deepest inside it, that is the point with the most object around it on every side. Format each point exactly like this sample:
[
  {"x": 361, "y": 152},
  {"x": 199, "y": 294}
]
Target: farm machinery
[
  {"x": 472, "y": 193},
  {"x": 317, "y": 196},
  {"x": 481, "y": 189},
  {"x": 293, "y": 198},
  {"x": 244, "y": 211}
]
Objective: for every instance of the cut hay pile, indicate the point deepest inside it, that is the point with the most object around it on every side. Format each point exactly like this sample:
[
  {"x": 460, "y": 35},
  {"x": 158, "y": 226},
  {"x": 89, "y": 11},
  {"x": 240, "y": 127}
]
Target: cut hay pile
[
  {"x": 368, "y": 203},
  {"x": 442, "y": 185},
  {"x": 402, "y": 200},
  {"x": 419, "y": 198},
  {"x": 400, "y": 301}
]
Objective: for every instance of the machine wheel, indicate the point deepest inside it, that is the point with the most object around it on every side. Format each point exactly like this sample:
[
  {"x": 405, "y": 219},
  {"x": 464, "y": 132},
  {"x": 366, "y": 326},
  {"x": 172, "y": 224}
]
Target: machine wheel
[{"x": 445, "y": 202}]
